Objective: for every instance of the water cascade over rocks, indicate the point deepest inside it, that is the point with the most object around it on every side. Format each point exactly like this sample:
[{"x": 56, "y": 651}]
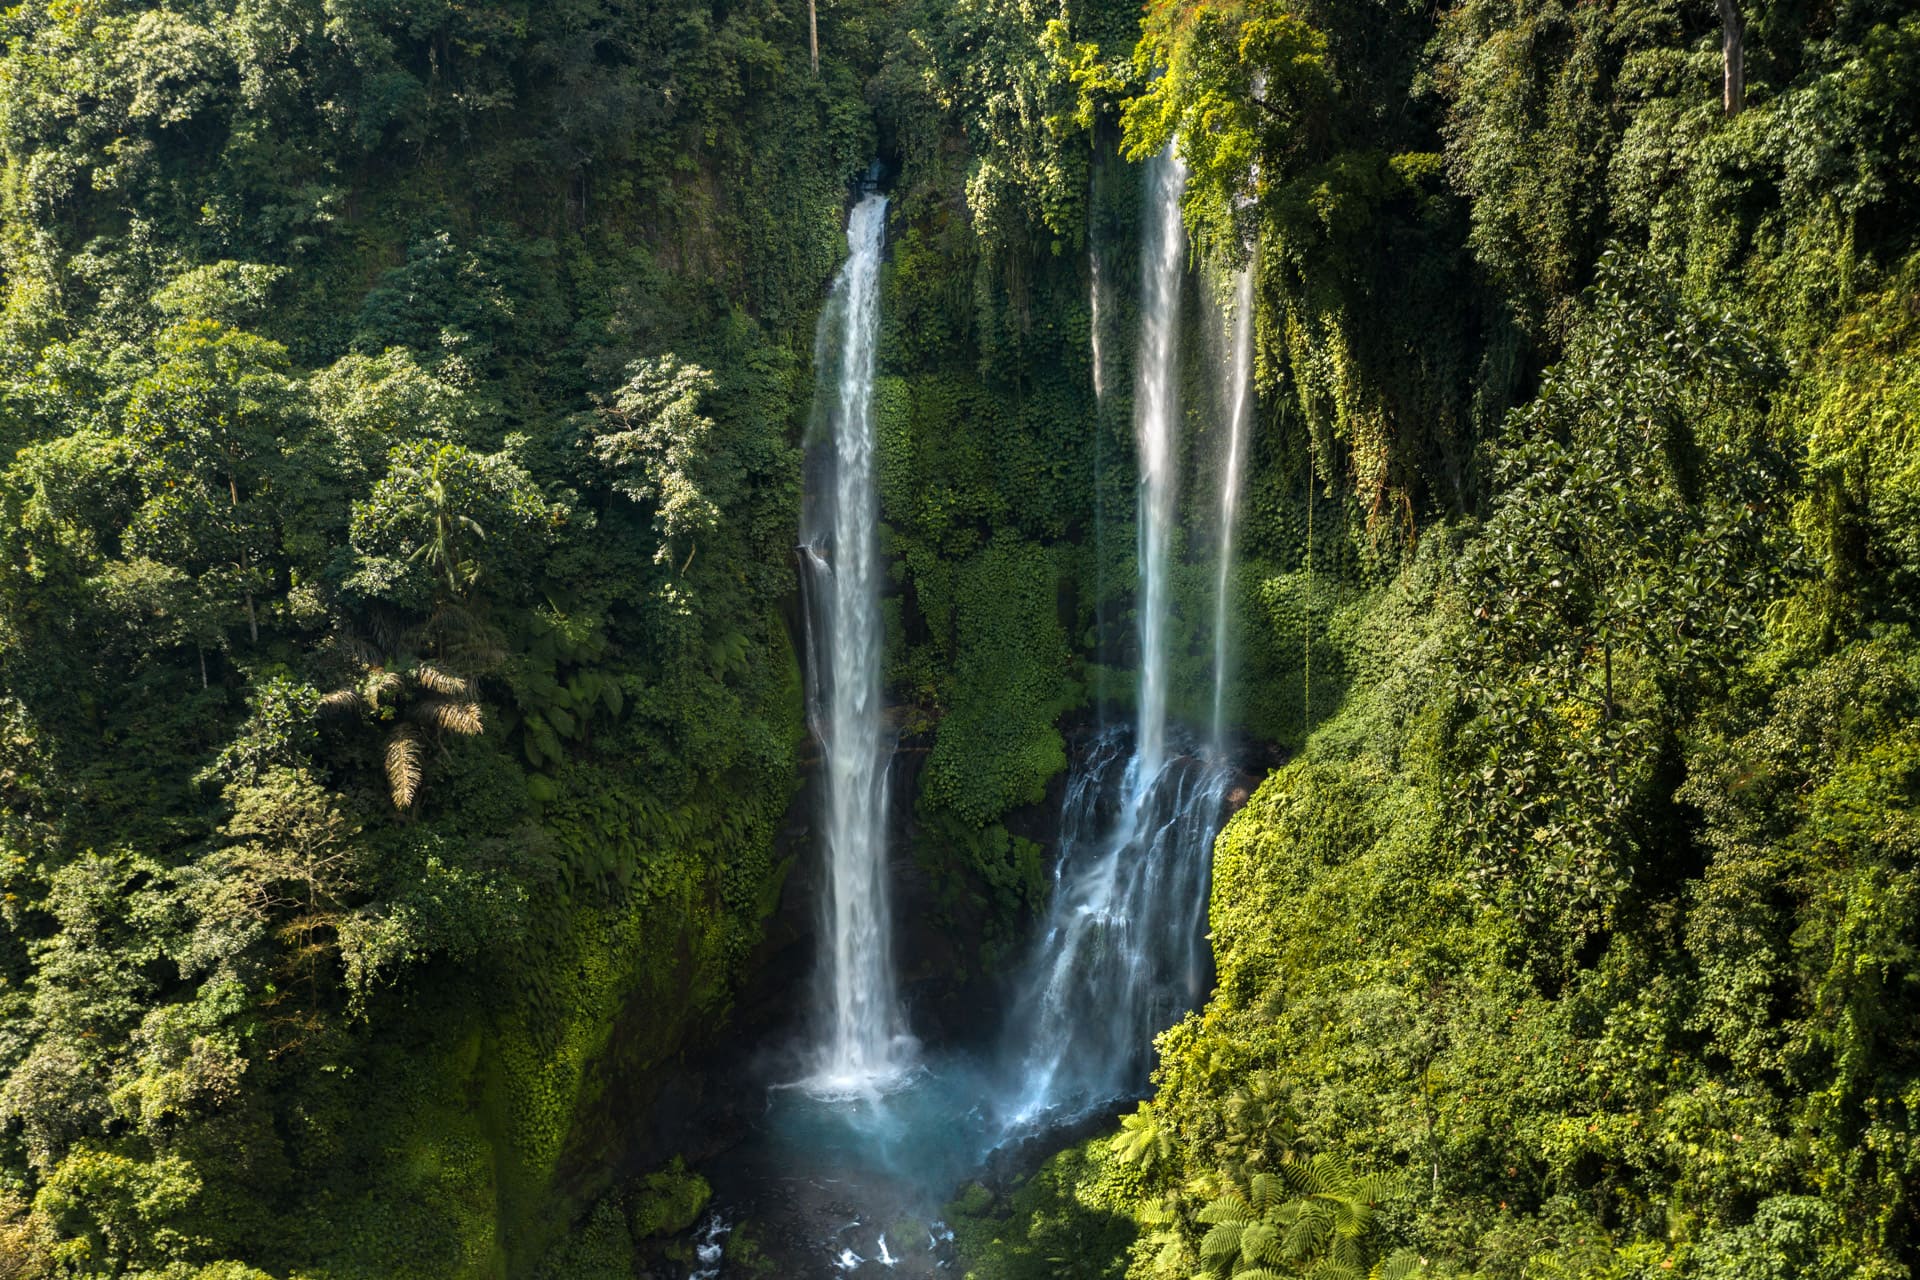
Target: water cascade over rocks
[{"x": 865, "y": 1046}]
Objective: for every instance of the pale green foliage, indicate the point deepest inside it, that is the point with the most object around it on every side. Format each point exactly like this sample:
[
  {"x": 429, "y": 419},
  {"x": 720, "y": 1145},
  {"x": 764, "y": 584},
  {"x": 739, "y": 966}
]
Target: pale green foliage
[
  {"x": 652, "y": 438},
  {"x": 366, "y": 405},
  {"x": 113, "y": 1211},
  {"x": 1244, "y": 91}
]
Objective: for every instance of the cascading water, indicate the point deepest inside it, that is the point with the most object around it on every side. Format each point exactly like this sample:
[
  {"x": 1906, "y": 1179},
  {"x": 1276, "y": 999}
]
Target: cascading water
[
  {"x": 1121, "y": 955},
  {"x": 865, "y": 1045},
  {"x": 857, "y": 1162},
  {"x": 1239, "y": 422},
  {"x": 1096, "y": 341}
]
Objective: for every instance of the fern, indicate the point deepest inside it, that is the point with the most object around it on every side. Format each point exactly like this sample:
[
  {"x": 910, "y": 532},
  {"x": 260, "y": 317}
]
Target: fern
[
  {"x": 1325, "y": 1228},
  {"x": 1143, "y": 1140}
]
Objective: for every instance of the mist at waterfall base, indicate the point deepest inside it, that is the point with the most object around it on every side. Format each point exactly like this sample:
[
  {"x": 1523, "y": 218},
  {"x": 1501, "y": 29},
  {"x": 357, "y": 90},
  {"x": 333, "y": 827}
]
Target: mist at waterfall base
[{"x": 863, "y": 1134}]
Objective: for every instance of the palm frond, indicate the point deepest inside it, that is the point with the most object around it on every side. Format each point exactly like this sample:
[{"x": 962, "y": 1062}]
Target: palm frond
[
  {"x": 443, "y": 682},
  {"x": 342, "y": 702},
  {"x": 1228, "y": 1208},
  {"x": 405, "y": 755},
  {"x": 1265, "y": 1192},
  {"x": 1334, "y": 1269},
  {"x": 450, "y": 717},
  {"x": 1304, "y": 1234},
  {"x": 1262, "y": 1243},
  {"x": 359, "y": 650},
  {"x": 1378, "y": 1187},
  {"x": 1401, "y": 1264}
]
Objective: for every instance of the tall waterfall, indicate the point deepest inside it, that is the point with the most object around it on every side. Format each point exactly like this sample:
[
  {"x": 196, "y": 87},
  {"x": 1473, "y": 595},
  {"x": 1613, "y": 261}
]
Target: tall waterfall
[
  {"x": 1157, "y": 428},
  {"x": 864, "y": 1039},
  {"x": 1239, "y": 420},
  {"x": 1122, "y": 953}
]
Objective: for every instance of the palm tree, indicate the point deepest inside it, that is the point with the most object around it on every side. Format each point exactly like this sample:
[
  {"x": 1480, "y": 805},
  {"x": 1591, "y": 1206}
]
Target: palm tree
[
  {"x": 433, "y": 502},
  {"x": 422, "y": 700}
]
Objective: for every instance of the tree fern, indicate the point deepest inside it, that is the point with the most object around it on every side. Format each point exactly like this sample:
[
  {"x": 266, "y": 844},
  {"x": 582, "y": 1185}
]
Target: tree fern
[
  {"x": 436, "y": 680},
  {"x": 1314, "y": 1218},
  {"x": 1144, "y": 1141},
  {"x": 343, "y": 702},
  {"x": 427, "y": 693}
]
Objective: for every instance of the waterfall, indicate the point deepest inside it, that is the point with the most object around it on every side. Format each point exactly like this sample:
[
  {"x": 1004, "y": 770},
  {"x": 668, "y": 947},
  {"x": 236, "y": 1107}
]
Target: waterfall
[
  {"x": 864, "y": 1037},
  {"x": 1239, "y": 420},
  {"x": 1157, "y": 424},
  {"x": 880, "y": 1135},
  {"x": 1096, "y": 306},
  {"x": 1122, "y": 953}
]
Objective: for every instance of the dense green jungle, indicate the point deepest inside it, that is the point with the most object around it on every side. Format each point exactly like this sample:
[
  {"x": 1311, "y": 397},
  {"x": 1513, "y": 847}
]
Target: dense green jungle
[{"x": 402, "y": 733}]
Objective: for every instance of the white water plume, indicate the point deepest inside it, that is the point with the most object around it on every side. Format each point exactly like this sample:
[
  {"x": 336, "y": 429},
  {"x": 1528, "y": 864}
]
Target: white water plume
[
  {"x": 1239, "y": 424},
  {"x": 865, "y": 1045},
  {"x": 1122, "y": 956}
]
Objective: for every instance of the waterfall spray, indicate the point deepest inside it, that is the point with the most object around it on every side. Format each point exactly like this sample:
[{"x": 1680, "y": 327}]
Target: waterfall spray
[{"x": 864, "y": 1038}]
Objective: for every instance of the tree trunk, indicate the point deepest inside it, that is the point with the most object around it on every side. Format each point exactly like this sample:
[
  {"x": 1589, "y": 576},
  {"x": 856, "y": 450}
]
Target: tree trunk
[
  {"x": 1733, "y": 59},
  {"x": 813, "y": 35}
]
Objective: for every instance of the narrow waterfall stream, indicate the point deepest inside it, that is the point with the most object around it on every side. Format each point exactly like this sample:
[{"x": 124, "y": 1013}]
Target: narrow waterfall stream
[
  {"x": 1156, "y": 411},
  {"x": 846, "y": 1173},
  {"x": 1239, "y": 425},
  {"x": 864, "y": 1045}
]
